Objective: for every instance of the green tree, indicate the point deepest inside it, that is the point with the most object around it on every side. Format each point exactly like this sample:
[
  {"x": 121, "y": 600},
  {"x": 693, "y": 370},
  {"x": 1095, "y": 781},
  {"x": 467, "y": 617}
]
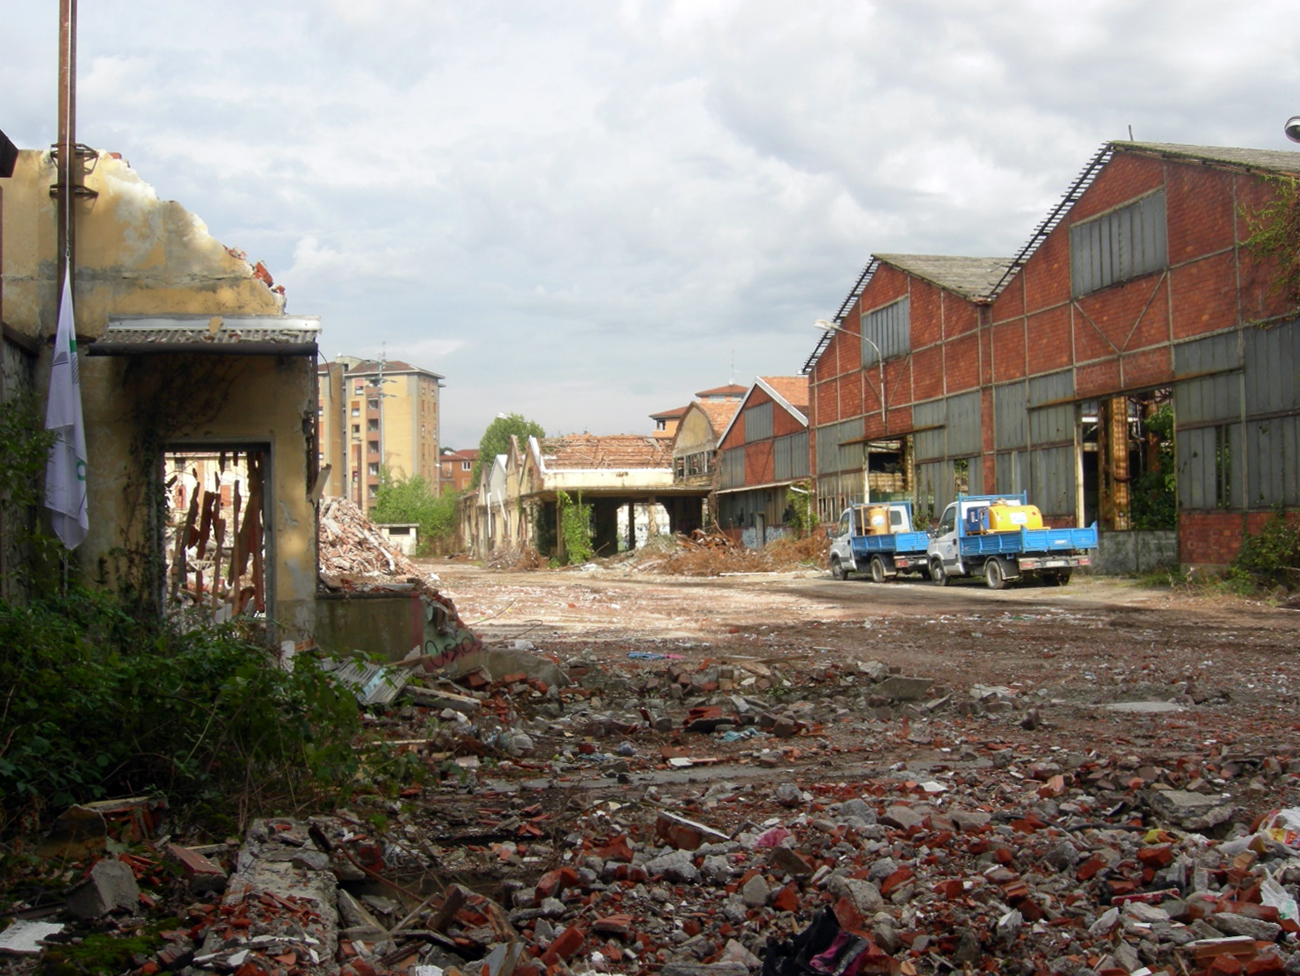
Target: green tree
[
  {"x": 413, "y": 500},
  {"x": 496, "y": 439}
]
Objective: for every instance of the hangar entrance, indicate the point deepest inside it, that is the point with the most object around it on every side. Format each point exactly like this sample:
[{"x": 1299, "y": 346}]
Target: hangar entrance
[
  {"x": 214, "y": 535},
  {"x": 1127, "y": 456}
]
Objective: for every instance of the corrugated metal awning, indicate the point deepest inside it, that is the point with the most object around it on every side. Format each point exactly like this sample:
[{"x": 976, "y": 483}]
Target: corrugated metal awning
[{"x": 228, "y": 335}]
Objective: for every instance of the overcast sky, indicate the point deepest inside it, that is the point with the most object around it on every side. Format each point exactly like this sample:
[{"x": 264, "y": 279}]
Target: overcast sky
[{"x": 585, "y": 212}]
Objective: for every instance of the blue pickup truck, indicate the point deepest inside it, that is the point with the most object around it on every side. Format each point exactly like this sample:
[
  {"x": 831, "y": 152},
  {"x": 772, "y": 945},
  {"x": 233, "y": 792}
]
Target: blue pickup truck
[
  {"x": 878, "y": 539},
  {"x": 1002, "y": 538}
]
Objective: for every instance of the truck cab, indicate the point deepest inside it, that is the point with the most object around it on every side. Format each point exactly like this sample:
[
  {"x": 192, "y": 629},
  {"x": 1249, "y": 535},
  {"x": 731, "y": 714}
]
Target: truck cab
[{"x": 867, "y": 539}]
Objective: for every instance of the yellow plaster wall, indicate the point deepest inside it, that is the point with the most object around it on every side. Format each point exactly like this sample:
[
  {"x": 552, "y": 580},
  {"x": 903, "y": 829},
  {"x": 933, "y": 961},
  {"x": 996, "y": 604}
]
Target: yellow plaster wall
[{"x": 138, "y": 255}]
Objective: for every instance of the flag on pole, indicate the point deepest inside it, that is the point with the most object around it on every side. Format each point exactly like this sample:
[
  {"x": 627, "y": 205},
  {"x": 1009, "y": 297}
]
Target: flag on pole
[{"x": 65, "y": 472}]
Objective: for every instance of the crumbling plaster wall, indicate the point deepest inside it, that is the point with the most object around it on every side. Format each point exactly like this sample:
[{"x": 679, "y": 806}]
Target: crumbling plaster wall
[{"x": 139, "y": 255}]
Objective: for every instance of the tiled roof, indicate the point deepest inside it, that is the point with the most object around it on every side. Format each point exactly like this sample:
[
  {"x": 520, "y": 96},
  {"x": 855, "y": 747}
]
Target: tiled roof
[
  {"x": 369, "y": 367},
  {"x": 1274, "y": 160},
  {"x": 672, "y": 414},
  {"x": 793, "y": 389},
  {"x": 719, "y": 412},
  {"x": 970, "y": 277},
  {"x": 608, "y": 451},
  {"x": 730, "y": 390}
]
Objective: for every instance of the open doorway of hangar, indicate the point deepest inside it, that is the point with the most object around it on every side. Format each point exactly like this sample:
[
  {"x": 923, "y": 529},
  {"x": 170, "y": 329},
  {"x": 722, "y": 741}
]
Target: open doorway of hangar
[
  {"x": 1127, "y": 460},
  {"x": 214, "y": 536}
]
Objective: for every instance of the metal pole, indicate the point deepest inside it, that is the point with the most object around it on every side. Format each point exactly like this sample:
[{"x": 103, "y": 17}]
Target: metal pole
[{"x": 67, "y": 135}]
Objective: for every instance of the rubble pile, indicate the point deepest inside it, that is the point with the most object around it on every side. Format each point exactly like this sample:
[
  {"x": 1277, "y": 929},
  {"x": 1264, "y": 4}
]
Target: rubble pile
[
  {"x": 742, "y": 815},
  {"x": 351, "y": 546}
]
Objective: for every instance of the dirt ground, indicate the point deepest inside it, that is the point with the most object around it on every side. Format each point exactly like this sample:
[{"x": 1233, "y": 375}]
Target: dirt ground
[{"x": 1232, "y": 663}]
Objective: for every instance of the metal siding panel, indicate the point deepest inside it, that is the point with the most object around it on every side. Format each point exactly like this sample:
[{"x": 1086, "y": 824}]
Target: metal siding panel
[
  {"x": 1011, "y": 424},
  {"x": 964, "y": 433},
  {"x": 799, "y": 454},
  {"x": 929, "y": 444},
  {"x": 1236, "y": 449}
]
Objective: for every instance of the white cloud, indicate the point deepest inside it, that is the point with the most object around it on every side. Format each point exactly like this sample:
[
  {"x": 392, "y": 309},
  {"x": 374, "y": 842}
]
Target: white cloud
[{"x": 558, "y": 204}]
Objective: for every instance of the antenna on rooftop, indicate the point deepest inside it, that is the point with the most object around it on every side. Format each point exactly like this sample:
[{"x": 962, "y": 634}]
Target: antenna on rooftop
[{"x": 731, "y": 381}]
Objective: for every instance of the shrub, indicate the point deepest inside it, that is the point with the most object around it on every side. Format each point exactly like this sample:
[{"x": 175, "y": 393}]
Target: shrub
[
  {"x": 96, "y": 704},
  {"x": 1271, "y": 558}
]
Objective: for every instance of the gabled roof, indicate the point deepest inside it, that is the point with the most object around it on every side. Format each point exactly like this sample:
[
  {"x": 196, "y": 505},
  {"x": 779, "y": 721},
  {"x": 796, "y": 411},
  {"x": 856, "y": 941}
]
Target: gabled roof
[
  {"x": 672, "y": 414},
  {"x": 730, "y": 390},
  {"x": 718, "y": 412},
  {"x": 1270, "y": 160},
  {"x": 790, "y": 384},
  {"x": 371, "y": 367},
  {"x": 612, "y": 451},
  {"x": 968, "y": 277},
  {"x": 791, "y": 389}
]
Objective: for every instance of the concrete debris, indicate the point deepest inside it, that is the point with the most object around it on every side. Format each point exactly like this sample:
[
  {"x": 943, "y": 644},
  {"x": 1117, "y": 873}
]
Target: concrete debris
[{"x": 110, "y": 886}]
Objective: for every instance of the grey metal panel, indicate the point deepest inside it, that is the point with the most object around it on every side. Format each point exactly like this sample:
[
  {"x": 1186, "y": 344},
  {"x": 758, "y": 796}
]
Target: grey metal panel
[
  {"x": 1012, "y": 471},
  {"x": 758, "y": 422},
  {"x": 927, "y": 444},
  {"x": 1123, "y": 244},
  {"x": 975, "y": 476},
  {"x": 1054, "y": 424},
  {"x": 1272, "y": 361},
  {"x": 1010, "y": 419},
  {"x": 1052, "y": 479},
  {"x": 934, "y": 486},
  {"x": 732, "y": 474},
  {"x": 832, "y": 455},
  {"x": 1210, "y": 462},
  {"x": 965, "y": 435},
  {"x": 791, "y": 456},
  {"x": 890, "y": 328},
  {"x": 1272, "y": 449},
  {"x": 1208, "y": 398}
]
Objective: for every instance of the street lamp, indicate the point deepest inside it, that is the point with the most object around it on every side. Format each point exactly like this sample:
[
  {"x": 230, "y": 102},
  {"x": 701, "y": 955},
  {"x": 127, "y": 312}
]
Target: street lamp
[{"x": 826, "y": 326}]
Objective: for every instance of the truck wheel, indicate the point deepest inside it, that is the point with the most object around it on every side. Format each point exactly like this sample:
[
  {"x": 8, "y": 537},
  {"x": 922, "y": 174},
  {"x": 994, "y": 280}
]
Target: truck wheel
[
  {"x": 878, "y": 574},
  {"x": 837, "y": 569},
  {"x": 995, "y": 574},
  {"x": 938, "y": 575}
]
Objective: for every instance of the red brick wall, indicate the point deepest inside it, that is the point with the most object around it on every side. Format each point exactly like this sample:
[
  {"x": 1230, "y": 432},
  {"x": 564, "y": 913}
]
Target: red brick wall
[
  {"x": 1050, "y": 341},
  {"x": 1209, "y": 538},
  {"x": 1126, "y": 176},
  {"x": 1008, "y": 351}
]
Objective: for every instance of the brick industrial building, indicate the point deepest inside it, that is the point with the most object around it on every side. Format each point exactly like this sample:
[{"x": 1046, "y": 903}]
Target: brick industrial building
[{"x": 1136, "y": 298}]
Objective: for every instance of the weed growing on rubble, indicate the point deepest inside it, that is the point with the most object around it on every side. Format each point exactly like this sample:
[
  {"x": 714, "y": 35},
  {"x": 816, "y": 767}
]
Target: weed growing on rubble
[{"x": 95, "y": 704}]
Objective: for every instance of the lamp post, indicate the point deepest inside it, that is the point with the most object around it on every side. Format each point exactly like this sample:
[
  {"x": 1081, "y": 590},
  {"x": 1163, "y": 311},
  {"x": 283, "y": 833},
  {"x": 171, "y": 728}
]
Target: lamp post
[{"x": 826, "y": 326}]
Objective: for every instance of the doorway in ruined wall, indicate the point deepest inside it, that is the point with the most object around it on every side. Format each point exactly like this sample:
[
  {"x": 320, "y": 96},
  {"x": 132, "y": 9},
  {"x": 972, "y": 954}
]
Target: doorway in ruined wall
[
  {"x": 214, "y": 530},
  {"x": 1127, "y": 460}
]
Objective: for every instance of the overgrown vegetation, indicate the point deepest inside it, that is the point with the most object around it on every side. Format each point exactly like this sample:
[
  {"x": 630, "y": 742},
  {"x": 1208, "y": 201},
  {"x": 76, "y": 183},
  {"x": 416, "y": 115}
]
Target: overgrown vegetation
[
  {"x": 413, "y": 500},
  {"x": 801, "y": 512},
  {"x": 575, "y": 528},
  {"x": 496, "y": 439},
  {"x": 1275, "y": 234},
  {"x": 1153, "y": 498},
  {"x": 96, "y": 705},
  {"x": 1271, "y": 558},
  {"x": 24, "y": 448}
]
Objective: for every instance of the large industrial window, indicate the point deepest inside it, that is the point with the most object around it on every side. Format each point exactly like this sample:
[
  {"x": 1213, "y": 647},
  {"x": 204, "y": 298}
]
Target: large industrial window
[
  {"x": 758, "y": 423},
  {"x": 1123, "y": 244},
  {"x": 889, "y": 328}
]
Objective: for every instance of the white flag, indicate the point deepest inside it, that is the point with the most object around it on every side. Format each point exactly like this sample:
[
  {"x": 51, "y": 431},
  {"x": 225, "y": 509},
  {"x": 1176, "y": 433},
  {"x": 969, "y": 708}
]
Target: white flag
[{"x": 65, "y": 472}]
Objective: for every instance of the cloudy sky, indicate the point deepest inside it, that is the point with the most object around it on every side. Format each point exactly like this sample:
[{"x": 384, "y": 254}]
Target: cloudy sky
[{"x": 585, "y": 211}]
